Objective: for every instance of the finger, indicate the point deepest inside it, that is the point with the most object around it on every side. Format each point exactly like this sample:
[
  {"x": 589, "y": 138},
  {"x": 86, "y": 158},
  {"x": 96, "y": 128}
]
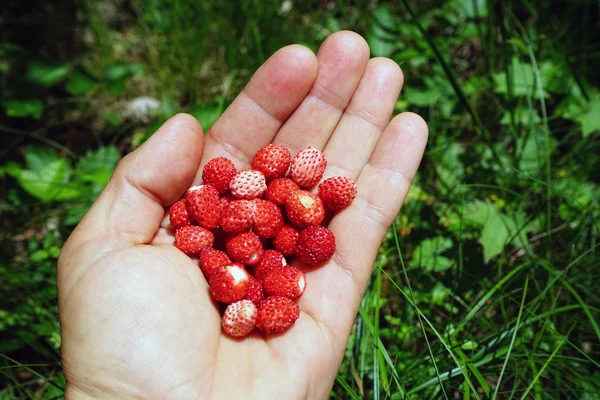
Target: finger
[
  {"x": 366, "y": 116},
  {"x": 131, "y": 207},
  {"x": 255, "y": 116},
  {"x": 335, "y": 291},
  {"x": 342, "y": 58}
]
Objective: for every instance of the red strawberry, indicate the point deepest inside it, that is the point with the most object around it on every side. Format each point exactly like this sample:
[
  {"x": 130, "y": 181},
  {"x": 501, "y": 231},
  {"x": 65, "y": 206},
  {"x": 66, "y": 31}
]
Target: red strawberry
[
  {"x": 223, "y": 201},
  {"x": 179, "y": 214},
  {"x": 245, "y": 247},
  {"x": 238, "y": 216},
  {"x": 192, "y": 239},
  {"x": 203, "y": 204},
  {"x": 229, "y": 283},
  {"x": 271, "y": 260},
  {"x": 280, "y": 189},
  {"x": 315, "y": 245},
  {"x": 285, "y": 240},
  {"x": 218, "y": 172},
  {"x": 307, "y": 167},
  {"x": 304, "y": 209},
  {"x": 288, "y": 282},
  {"x": 273, "y": 161},
  {"x": 268, "y": 220},
  {"x": 211, "y": 259},
  {"x": 276, "y": 314},
  {"x": 337, "y": 192},
  {"x": 248, "y": 185},
  {"x": 239, "y": 318},
  {"x": 255, "y": 291}
]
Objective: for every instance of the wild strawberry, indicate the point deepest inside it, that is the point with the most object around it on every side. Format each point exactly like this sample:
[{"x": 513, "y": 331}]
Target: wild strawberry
[
  {"x": 304, "y": 209},
  {"x": 276, "y": 314},
  {"x": 273, "y": 161},
  {"x": 239, "y": 318},
  {"x": 229, "y": 283},
  {"x": 192, "y": 239},
  {"x": 179, "y": 214},
  {"x": 271, "y": 260},
  {"x": 238, "y": 216},
  {"x": 211, "y": 259},
  {"x": 268, "y": 220},
  {"x": 245, "y": 247},
  {"x": 288, "y": 282},
  {"x": 280, "y": 189},
  {"x": 337, "y": 192},
  {"x": 203, "y": 204},
  {"x": 285, "y": 240},
  {"x": 219, "y": 172},
  {"x": 248, "y": 185},
  {"x": 307, "y": 167},
  {"x": 224, "y": 201},
  {"x": 315, "y": 245},
  {"x": 255, "y": 291}
]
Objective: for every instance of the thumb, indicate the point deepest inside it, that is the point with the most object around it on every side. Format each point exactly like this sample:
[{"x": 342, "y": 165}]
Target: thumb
[{"x": 130, "y": 209}]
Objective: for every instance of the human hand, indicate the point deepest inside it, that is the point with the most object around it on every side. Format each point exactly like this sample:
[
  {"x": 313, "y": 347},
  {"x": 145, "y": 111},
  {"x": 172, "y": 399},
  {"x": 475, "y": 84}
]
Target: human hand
[{"x": 136, "y": 317}]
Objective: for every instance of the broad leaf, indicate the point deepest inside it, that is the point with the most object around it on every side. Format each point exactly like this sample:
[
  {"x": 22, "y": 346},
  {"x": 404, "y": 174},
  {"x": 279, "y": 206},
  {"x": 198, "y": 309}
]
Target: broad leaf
[
  {"x": 46, "y": 74},
  {"x": 23, "y": 108},
  {"x": 428, "y": 254},
  {"x": 97, "y": 166},
  {"x": 80, "y": 83},
  {"x": 498, "y": 229},
  {"x": 380, "y": 37}
]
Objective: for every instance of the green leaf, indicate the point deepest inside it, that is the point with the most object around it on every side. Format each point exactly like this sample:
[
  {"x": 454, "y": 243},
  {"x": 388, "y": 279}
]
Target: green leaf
[
  {"x": 523, "y": 80},
  {"x": 39, "y": 255},
  {"x": 534, "y": 151},
  {"x": 498, "y": 229},
  {"x": 11, "y": 169},
  {"x": 23, "y": 108},
  {"x": 97, "y": 166},
  {"x": 381, "y": 41},
  {"x": 428, "y": 254},
  {"x": 80, "y": 83},
  {"x": 113, "y": 118},
  {"x": 206, "y": 114},
  {"x": 122, "y": 71},
  {"x": 37, "y": 158},
  {"x": 472, "y": 8},
  {"x": 47, "y": 175},
  {"x": 116, "y": 87},
  {"x": 46, "y": 74},
  {"x": 588, "y": 116},
  {"x": 469, "y": 345}
]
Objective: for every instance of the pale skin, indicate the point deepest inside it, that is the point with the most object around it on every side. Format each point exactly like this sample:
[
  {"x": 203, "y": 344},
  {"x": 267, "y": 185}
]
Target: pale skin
[{"x": 136, "y": 317}]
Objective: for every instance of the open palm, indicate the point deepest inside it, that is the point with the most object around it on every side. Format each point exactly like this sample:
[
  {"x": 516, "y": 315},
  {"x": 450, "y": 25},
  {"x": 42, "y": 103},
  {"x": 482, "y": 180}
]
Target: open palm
[{"x": 136, "y": 317}]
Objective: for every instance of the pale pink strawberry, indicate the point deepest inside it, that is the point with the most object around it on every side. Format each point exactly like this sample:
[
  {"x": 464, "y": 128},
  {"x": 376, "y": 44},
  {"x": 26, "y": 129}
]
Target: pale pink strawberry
[
  {"x": 248, "y": 185},
  {"x": 307, "y": 167},
  {"x": 239, "y": 318}
]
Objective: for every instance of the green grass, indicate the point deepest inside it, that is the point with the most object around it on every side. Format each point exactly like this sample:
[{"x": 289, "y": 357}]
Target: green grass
[{"x": 485, "y": 285}]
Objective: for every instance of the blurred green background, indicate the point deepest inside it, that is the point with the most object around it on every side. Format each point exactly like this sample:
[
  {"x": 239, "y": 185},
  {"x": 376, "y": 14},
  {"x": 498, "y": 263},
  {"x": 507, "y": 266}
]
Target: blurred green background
[{"x": 483, "y": 288}]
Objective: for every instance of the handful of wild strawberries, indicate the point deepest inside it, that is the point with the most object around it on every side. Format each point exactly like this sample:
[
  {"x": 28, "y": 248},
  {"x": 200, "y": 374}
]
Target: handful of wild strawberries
[{"x": 240, "y": 220}]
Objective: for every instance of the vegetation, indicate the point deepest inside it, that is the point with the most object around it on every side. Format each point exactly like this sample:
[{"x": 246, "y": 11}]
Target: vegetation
[{"x": 484, "y": 287}]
